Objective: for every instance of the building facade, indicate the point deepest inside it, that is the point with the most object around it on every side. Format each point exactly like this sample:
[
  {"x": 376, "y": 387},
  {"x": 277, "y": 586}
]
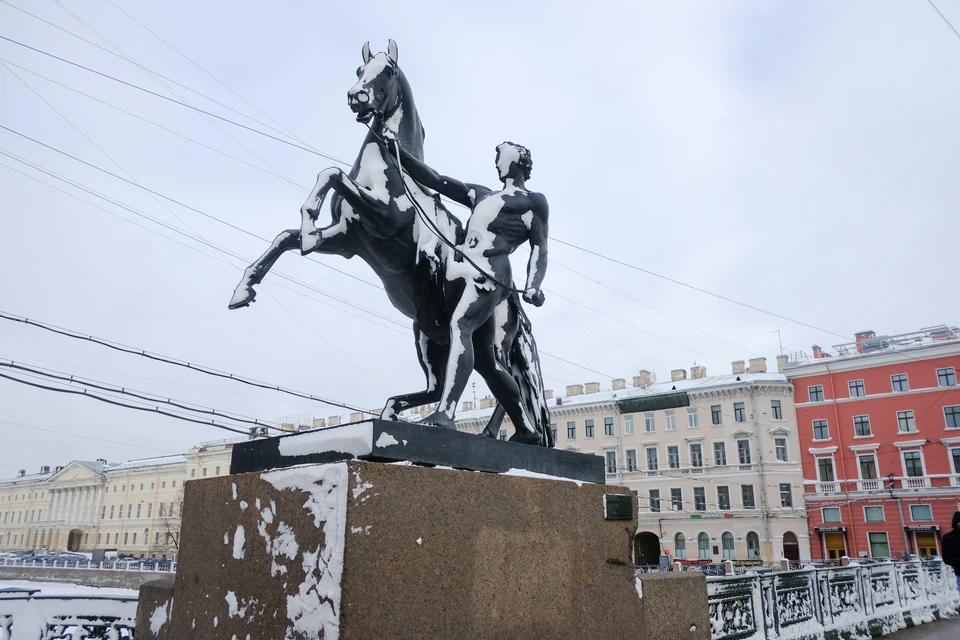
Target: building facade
[
  {"x": 879, "y": 426},
  {"x": 714, "y": 461},
  {"x": 132, "y": 507}
]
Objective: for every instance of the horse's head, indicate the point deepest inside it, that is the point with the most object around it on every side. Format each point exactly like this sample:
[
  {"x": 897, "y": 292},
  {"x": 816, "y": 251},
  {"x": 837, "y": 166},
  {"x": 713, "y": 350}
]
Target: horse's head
[{"x": 378, "y": 84}]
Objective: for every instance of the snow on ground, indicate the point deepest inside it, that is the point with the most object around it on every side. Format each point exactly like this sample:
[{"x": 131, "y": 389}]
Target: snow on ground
[{"x": 62, "y": 589}]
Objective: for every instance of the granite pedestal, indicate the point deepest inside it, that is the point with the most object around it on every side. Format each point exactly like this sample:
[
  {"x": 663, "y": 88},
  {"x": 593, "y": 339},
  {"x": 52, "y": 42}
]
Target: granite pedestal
[{"x": 361, "y": 550}]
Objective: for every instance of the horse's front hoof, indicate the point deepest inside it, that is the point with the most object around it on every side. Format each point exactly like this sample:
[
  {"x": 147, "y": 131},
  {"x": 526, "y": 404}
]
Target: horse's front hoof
[
  {"x": 525, "y": 437},
  {"x": 439, "y": 419},
  {"x": 242, "y": 297}
]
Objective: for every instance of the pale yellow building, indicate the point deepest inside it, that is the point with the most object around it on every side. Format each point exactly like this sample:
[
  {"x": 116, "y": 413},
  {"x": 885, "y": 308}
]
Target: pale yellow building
[
  {"x": 714, "y": 461},
  {"x": 132, "y": 507}
]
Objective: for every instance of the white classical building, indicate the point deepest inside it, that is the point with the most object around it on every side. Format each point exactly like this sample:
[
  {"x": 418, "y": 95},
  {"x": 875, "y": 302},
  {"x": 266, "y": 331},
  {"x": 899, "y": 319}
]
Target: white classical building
[{"x": 713, "y": 460}]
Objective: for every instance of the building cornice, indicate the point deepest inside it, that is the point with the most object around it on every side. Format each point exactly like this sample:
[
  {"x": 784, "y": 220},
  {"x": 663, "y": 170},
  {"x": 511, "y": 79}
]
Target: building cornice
[{"x": 872, "y": 360}]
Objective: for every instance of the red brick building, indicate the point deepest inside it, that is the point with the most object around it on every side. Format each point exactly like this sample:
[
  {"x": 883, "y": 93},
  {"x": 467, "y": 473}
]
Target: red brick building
[{"x": 879, "y": 423}]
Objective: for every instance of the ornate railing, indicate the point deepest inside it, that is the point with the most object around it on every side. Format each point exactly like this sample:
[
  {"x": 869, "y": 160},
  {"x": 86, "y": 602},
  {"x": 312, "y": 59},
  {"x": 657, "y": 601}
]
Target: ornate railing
[
  {"x": 854, "y": 601},
  {"x": 27, "y": 613},
  {"x": 148, "y": 564}
]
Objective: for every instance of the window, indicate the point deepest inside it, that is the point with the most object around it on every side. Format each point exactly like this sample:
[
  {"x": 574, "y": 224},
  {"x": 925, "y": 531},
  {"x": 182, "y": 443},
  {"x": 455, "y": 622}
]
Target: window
[
  {"x": 138, "y": 510},
  {"x": 150, "y": 510},
  {"x": 126, "y": 538},
  {"x": 503, "y": 434},
  {"x": 815, "y": 393},
  {"x": 163, "y": 485},
  {"x": 129, "y": 510},
  {"x": 655, "y": 500},
  {"x": 693, "y": 418},
  {"x": 170, "y": 509},
  {"x": 608, "y": 426},
  {"x": 873, "y": 514},
  {"x": 780, "y": 448},
  {"x": 856, "y": 388},
  {"x": 151, "y": 485},
  {"x": 699, "y": 498},
  {"x": 912, "y": 464},
  {"x": 611, "y": 461},
  {"x": 216, "y": 471},
  {"x": 746, "y": 492},
  {"x": 921, "y": 513},
  {"x": 193, "y": 473},
  {"x": 743, "y": 451},
  {"x": 900, "y": 382},
  {"x": 160, "y": 512},
  {"x": 955, "y": 454},
  {"x": 879, "y": 547},
  {"x": 716, "y": 414},
  {"x": 821, "y": 431},
  {"x": 906, "y": 422},
  {"x": 947, "y": 377},
  {"x": 671, "y": 420},
  {"x": 868, "y": 466},
  {"x": 571, "y": 431},
  {"x": 786, "y": 495},
  {"x": 588, "y": 428},
  {"x": 720, "y": 453},
  {"x": 673, "y": 456},
  {"x": 111, "y": 512},
  {"x": 753, "y": 546},
  {"x": 952, "y": 417},
  {"x": 776, "y": 409},
  {"x": 723, "y": 498},
  {"x": 631, "y": 459},
  {"x": 739, "y": 412},
  {"x": 679, "y": 547},
  {"x": 861, "y": 426},
  {"x": 726, "y": 541},
  {"x": 175, "y": 482},
  {"x": 703, "y": 546},
  {"x": 676, "y": 499},
  {"x": 203, "y": 473},
  {"x": 696, "y": 455},
  {"x": 102, "y": 515},
  {"x": 553, "y": 431},
  {"x": 831, "y": 514},
  {"x": 650, "y": 421},
  {"x": 653, "y": 462},
  {"x": 628, "y": 425},
  {"x": 825, "y": 469}
]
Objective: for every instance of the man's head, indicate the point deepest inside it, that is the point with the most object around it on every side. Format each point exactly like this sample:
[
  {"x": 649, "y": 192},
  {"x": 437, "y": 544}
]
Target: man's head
[
  {"x": 513, "y": 161},
  {"x": 956, "y": 521}
]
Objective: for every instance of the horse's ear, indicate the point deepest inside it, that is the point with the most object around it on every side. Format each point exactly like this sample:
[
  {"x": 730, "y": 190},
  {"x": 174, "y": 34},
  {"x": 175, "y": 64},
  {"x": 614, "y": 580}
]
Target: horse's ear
[
  {"x": 392, "y": 51},
  {"x": 366, "y": 52}
]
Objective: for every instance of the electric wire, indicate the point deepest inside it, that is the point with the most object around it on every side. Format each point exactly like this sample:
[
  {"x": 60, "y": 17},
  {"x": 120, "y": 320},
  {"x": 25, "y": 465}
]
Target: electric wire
[{"x": 81, "y": 435}]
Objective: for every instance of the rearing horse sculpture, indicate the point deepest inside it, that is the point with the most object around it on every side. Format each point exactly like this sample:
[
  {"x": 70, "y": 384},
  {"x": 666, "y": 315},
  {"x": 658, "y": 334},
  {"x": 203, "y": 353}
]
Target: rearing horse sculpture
[{"x": 374, "y": 218}]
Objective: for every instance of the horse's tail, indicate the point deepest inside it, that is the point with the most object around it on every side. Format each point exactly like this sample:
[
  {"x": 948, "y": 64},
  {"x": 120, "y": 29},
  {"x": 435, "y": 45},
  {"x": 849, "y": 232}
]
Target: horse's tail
[{"x": 524, "y": 366}]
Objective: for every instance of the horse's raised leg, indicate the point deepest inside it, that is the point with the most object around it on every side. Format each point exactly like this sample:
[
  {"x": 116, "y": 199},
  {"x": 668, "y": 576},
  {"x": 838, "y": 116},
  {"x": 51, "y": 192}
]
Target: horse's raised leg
[
  {"x": 433, "y": 361},
  {"x": 244, "y": 294}
]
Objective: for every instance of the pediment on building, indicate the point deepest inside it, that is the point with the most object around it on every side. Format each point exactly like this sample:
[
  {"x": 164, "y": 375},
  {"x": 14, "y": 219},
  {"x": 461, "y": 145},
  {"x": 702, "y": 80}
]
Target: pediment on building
[{"x": 75, "y": 471}]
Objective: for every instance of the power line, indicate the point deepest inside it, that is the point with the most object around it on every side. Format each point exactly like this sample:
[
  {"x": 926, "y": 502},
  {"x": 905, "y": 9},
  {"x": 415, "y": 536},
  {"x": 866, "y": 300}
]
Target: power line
[
  {"x": 116, "y": 346},
  {"x": 952, "y": 28},
  {"x": 79, "y": 435}
]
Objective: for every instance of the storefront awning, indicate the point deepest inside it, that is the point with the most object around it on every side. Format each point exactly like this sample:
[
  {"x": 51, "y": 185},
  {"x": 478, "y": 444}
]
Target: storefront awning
[
  {"x": 929, "y": 527},
  {"x": 830, "y": 529},
  {"x": 654, "y": 403}
]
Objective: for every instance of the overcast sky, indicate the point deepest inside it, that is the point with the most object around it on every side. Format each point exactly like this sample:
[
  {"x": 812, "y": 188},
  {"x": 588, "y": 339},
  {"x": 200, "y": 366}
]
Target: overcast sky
[{"x": 800, "y": 157}]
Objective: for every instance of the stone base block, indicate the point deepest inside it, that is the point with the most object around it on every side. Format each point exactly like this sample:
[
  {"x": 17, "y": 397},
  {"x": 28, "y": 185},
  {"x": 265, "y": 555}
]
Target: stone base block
[
  {"x": 674, "y": 606},
  {"x": 361, "y": 550},
  {"x": 154, "y": 609}
]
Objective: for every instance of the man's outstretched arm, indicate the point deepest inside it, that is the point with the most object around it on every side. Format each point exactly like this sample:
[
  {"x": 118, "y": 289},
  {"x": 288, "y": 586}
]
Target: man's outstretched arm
[
  {"x": 537, "y": 265},
  {"x": 428, "y": 177}
]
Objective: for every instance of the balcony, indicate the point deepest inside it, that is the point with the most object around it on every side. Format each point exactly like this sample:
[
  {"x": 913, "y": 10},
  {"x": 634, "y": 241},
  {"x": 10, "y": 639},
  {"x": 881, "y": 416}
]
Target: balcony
[
  {"x": 955, "y": 481},
  {"x": 828, "y": 487},
  {"x": 869, "y": 485},
  {"x": 915, "y": 482}
]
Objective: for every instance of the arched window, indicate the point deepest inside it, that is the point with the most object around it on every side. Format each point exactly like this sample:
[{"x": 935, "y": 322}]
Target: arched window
[
  {"x": 703, "y": 546},
  {"x": 729, "y": 551},
  {"x": 753, "y": 546},
  {"x": 680, "y": 547}
]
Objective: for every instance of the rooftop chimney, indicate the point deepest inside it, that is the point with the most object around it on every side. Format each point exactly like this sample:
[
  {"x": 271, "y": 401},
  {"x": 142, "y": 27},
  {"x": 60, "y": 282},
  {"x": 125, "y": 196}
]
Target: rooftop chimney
[
  {"x": 102, "y": 461},
  {"x": 466, "y": 406},
  {"x": 487, "y": 403},
  {"x": 698, "y": 371},
  {"x": 592, "y": 387},
  {"x": 288, "y": 426},
  {"x": 356, "y": 416},
  {"x": 782, "y": 363},
  {"x": 574, "y": 390},
  {"x": 319, "y": 423},
  {"x": 547, "y": 394},
  {"x": 678, "y": 374},
  {"x": 738, "y": 366},
  {"x": 758, "y": 365},
  {"x": 817, "y": 352},
  {"x": 21, "y": 473},
  {"x": 58, "y": 469},
  {"x": 643, "y": 380},
  {"x": 333, "y": 421},
  {"x": 44, "y": 469},
  {"x": 618, "y": 384},
  {"x": 861, "y": 336}
]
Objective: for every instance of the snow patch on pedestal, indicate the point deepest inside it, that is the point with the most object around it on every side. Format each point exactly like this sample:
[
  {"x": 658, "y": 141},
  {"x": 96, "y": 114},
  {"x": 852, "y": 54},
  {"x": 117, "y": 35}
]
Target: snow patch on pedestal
[
  {"x": 523, "y": 473},
  {"x": 639, "y": 586},
  {"x": 386, "y": 440},
  {"x": 239, "y": 539},
  {"x": 315, "y": 609},
  {"x": 236, "y": 607},
  {"x": 159, "y": 618},
  {"x": 355, "y": 439}
]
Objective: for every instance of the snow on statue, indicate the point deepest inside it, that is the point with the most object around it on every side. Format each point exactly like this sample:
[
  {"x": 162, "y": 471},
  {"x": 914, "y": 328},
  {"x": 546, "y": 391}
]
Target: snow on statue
[{"x": 416, "y": 247}]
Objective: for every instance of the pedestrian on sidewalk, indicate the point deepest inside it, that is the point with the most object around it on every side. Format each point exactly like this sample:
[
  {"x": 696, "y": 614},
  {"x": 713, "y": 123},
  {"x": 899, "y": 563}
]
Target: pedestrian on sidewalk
[{"x": 951, "y": 546}]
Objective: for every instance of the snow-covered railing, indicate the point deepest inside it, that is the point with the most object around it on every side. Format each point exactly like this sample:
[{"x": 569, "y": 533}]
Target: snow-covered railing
[
  {"x": 853, "y": 601},
  {"x": 27, "y": 612},
  {"x": 111, "y": 565}
]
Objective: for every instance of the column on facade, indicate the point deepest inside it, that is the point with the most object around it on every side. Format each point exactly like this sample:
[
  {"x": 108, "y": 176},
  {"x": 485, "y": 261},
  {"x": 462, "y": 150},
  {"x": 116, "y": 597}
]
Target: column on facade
[
  {"x": 84, "y": 499},
  {"x": 72, "y": 510},
  {"x": 55, "y": 505}
]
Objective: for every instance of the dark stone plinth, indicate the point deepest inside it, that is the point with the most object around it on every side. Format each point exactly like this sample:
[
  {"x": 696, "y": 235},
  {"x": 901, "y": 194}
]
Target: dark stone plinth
[
  {"x": 674, "y": 605},
  {"x": 388, "y": 441},
  {"x": 155, "y": 608},
  {"x": 359, "y": 550}
]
